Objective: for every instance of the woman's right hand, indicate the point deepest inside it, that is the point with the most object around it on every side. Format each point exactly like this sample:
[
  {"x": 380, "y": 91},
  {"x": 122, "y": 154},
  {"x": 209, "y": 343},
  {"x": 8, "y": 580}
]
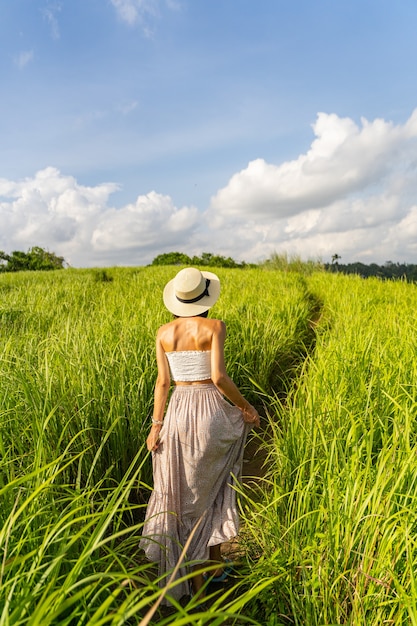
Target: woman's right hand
[
  {"x": 152, "y": 442},
  {"x": 251, "y": 415}
]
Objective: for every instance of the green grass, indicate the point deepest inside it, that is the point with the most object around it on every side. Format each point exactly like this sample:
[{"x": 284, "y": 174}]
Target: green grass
[
  {"x": 329, "y": 536},
  {"x": 339, "y": 509}
]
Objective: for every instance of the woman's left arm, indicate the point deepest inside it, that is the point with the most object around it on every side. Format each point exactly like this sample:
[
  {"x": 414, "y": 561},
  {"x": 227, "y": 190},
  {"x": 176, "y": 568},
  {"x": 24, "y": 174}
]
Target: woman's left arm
[{"x": 221, "y": 379}]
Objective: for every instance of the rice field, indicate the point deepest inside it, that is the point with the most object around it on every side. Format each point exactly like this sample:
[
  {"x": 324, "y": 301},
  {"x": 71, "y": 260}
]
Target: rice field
[{"x": 328, "y": 535}]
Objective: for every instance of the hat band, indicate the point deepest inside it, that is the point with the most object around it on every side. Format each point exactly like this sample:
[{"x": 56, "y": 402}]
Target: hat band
[{"x": 200, "y": 297}]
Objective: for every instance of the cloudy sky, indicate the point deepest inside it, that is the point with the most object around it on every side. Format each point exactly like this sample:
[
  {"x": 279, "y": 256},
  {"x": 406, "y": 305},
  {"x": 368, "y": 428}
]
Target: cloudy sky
[{"x": 130, "y": 128}]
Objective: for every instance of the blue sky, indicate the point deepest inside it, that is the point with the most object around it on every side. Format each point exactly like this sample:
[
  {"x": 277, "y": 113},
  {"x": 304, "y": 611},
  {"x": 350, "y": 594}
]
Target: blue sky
[{"x": 130, "y": 128}]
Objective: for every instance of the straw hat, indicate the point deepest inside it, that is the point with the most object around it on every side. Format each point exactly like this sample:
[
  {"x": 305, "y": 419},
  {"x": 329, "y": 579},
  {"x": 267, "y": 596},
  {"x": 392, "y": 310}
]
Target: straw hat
[{"x": 191, "y": 292}]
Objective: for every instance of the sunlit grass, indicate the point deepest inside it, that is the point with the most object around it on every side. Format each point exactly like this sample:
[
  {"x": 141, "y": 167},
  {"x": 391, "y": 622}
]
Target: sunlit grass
[
  {"x": 77, "y": 367},
  {"x": 339, "y": 509},
  {"x": 328, "y": 537}
]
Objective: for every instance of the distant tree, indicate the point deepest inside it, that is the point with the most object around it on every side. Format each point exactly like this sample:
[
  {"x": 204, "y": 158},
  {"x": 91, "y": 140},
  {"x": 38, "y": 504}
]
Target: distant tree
[
  {"x": 4, "y": 259},
  {"x": 35, "y": 259},
  {"x": 206, "y": 259},
  {"x": 40, "y": 259},
  {"x": 17, "y": 261},
  {"x": 215, "y": 260},
  {"x": 172, "y": 258}
]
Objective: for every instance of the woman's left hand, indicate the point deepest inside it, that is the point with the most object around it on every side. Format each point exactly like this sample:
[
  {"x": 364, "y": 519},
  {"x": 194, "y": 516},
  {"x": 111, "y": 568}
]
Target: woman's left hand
[{"x": 251, "y": 416}]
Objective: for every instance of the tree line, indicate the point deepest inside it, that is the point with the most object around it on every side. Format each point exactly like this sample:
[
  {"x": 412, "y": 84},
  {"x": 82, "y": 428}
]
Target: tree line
[
  {"x": 35, "y": 259},
  {"x": 39, "y": 259},
  {"x": 206, "y": 259},
  {"x": 294, "y": 263},
  {"x": 389, "y": 270}
]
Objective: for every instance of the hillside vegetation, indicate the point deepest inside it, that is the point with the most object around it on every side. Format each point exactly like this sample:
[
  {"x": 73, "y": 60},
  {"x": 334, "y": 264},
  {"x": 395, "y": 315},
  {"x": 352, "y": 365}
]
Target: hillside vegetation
[{"x": 328, "y": 535}]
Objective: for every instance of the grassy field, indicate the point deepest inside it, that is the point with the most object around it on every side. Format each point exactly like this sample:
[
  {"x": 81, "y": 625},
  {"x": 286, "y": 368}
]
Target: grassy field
[{"x": 329, "y": 534}]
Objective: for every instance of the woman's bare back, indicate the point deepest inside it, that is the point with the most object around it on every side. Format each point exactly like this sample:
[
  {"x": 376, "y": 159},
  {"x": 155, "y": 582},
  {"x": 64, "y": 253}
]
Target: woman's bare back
[{"x": 189, "y": 333}]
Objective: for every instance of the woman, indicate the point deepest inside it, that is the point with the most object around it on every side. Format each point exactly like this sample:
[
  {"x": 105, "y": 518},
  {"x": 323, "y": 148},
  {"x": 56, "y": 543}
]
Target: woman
[{"x": 198, "y": 447}]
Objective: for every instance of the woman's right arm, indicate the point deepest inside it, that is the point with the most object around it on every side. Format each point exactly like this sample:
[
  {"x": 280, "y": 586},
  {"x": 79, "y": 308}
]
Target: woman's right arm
[
  {"x": 162, "y": 385},
  {"x": 221, "y": 379}
]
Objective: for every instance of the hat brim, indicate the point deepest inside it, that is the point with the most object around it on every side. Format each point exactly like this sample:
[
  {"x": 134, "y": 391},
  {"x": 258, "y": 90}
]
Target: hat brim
[{"x": 184, "y": 309}]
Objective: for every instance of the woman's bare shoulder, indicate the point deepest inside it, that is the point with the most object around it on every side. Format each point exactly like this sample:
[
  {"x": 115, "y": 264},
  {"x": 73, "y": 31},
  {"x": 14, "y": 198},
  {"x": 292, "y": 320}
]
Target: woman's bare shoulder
[
  {"x": 165, "y": 329},
  {"x": 216, "y": 326},
  {"x": 215, "y": 321}
]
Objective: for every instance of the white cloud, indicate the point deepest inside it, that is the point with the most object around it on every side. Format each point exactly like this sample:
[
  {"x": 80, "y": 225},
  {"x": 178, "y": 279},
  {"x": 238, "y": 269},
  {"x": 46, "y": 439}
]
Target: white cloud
[
  {"x": 75, "y": 221},
  {"x": 133, "y": 11},
  {"x": 49, "y": 13},
  {"x": 23, "y": 58},
  {"x": 140, "y": 11},
  {"x": 151, "y": 222},
  {"x": 353, "y": 193},
  {"x": 343, "y": 159}
]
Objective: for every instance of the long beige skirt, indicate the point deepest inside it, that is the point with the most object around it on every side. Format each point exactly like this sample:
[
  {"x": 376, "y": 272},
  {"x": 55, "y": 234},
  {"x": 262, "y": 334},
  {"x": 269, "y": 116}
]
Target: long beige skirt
[{"x": 195, "y": 469}]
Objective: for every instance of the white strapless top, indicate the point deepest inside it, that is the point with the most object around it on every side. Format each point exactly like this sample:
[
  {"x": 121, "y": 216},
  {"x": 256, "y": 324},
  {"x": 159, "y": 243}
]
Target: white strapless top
[{"x": 190, "y": 365}]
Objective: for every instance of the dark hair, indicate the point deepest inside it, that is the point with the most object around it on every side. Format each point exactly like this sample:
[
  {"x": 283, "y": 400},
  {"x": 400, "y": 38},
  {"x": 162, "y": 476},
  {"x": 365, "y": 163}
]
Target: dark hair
[{"x": 205, "y": 314}]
